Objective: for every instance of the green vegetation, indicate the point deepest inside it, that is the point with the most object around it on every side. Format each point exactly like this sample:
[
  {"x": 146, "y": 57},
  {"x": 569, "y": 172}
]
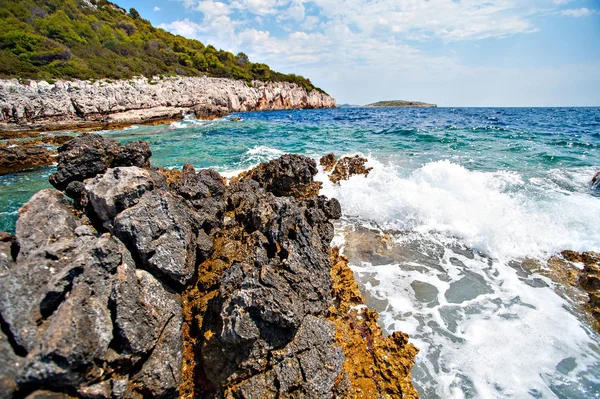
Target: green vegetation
[
  {"x": 95, "y": 39},
  {"x": 401, "y": 103}
]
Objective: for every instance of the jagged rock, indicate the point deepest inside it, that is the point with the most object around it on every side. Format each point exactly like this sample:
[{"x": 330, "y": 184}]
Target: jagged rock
[
  {"x": 291, "y": 175},
  {"x": 117, "y": 190},
  {"x": 91, "y": 154},
  {"x": 160, "y": 232},
  {"x": 86, "y": 156},
  {"x": 9, "y": 367},
  {"x": 375, "y": 366},
  {"x": 586, "y": 280},
  {"x": 85, "y": 103},
  {"x": 197, "y": 289},
  {"x": 345, "y": 167},
  {"x": 328, "y": 162},
  {"x": 47, "y": 217},
  {"x": 15, "y": 159},
  {"x": 134, "y": 153}
]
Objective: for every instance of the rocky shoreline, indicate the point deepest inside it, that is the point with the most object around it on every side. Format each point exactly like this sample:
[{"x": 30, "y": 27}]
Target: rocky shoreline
[
  {"x": 156, "y": 283},
  {"x": 103, "y": 104}
]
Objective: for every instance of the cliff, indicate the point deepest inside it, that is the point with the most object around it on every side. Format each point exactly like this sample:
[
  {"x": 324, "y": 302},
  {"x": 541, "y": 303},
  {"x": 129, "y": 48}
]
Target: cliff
[
  {"x": 104, "y": 103},
  {"x": 156, "y": 283}
]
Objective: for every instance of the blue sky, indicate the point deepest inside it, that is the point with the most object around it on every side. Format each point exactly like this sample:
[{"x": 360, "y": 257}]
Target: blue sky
[{"x": 449, "y": 52}]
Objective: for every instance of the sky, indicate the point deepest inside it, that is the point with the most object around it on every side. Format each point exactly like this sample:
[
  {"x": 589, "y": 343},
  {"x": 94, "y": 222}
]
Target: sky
[{"x": 447, "y": 52}]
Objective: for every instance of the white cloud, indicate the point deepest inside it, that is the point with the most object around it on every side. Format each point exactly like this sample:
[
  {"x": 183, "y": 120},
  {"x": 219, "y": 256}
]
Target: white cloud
[
  {"x": 185, "y": 28},
  {"x": 562, "y": 2},
  {"x": 578, "y": 12},
  {"x": 156, "y": 8},
  {"x": 212, "y": 9}
]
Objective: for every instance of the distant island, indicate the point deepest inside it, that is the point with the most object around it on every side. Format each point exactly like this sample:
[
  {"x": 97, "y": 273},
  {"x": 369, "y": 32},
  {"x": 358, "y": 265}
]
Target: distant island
[{"x": 401, "y": 103}]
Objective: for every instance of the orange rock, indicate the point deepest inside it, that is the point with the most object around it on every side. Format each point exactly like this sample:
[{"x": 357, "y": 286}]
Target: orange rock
[{"x": 375, "y": 366}]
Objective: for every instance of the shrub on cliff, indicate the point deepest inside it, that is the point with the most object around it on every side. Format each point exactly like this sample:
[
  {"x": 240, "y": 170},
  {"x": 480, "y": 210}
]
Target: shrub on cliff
[{"x": 92, "y": 39}]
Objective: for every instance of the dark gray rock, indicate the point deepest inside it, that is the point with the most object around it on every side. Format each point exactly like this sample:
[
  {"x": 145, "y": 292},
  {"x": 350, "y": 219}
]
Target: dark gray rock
[
  {"x": 160, "y": 231},
  {"x": 86, "y": 156},
  {"x": 289, "y": 175},
  {"x": 91, "y": 154},
  {"x": 134, "y": 153},
  {"x": 9, "y": 366},
  {"x": 47, "y": 217},
  {"x": 116, "y": 190}
]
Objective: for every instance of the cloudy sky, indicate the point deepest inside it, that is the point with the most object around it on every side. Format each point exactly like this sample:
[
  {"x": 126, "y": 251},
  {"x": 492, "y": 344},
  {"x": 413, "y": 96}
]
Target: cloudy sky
[{"x": 449, "y": 52}]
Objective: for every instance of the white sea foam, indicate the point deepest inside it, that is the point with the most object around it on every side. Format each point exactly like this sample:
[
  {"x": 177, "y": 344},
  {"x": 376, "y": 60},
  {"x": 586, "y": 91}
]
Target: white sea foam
[
  {"x": 261, "y": 153},
  {"x": 498, "y": 213},
  {"x": 483, "y": 330}
]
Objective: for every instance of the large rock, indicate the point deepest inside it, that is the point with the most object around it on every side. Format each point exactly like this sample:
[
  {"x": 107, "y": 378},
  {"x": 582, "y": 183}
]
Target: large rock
[
  {"x": 91, "y": 154},
  {"x": 161, "y": 232},
  {"x": 18, "y": 158},
  {"x": 117, "y": 190},
  {"x": 290, "y": 175},
  {"x": 595, "y": 183}
]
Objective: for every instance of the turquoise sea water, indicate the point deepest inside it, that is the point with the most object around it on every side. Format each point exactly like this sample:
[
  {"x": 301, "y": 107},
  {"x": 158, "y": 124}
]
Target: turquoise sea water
[{"x": 456, "y": 199}]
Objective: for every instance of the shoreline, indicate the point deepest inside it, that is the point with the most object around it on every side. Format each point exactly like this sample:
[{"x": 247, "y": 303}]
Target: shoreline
[{"x": 99, "y": 105}]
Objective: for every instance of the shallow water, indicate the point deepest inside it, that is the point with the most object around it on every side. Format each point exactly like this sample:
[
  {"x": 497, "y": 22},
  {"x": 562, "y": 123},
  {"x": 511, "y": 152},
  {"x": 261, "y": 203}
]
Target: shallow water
[{"x": 455, "y": 199}]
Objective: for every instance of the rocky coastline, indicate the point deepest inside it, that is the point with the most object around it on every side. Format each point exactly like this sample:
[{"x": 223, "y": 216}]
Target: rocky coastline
[
  {"x": 102, "y": 104},
  {"x": 155, "y": 283}
]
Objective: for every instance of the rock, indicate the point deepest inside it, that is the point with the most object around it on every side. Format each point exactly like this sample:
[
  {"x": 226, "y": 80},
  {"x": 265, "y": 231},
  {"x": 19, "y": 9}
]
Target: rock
[
  {"x": 345, "y": 167},
  {"x": 328, "y": 162},
  {"x": 81, "y": 315},
  {"x": 18, "y": 158},
  {"x": 374, "y": 366},
  {"x": 197, "y": 289},
  {"x": 86, "y": 156},
  {"x": 290, "y": 175},
  {"x": 47, "y": 217},
  {"x": 116, "y": 190},
  {"x": 595, "y": 183},
  {"x": 85, "y": 103},
  {"x": 586, "y": 280},
  {"x": 159, "y": 231},
  {"x": 135, "y": 153},
  {"x": 91, "y": 154}
]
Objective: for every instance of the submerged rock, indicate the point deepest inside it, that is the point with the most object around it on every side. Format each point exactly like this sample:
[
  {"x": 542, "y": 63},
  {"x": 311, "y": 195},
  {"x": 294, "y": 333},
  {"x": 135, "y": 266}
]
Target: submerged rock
[
  {"x": 18, "y": 158},
  {"x": 344, "y": 168},
  {"x": 161, "y": 284}
]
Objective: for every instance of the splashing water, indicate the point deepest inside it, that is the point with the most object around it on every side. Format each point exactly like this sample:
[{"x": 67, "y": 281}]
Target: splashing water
[{"x": 436, "y": 233}]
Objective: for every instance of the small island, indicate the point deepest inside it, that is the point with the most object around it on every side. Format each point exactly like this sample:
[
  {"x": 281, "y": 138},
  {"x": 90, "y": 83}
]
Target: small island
[{"x": 401, "y": 103}]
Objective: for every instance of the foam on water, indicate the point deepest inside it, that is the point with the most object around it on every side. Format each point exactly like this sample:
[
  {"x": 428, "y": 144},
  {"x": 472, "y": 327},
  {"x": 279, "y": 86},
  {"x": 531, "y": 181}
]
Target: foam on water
[
  {"x": 483, "y": 330},
  {"x": 499, "y": 213}
]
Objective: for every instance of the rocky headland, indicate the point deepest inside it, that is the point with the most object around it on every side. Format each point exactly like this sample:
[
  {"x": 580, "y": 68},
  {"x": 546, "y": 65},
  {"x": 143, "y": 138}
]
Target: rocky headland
[
  {"x": 131, "y": 281},
  {"x": 401, "y": 104},
  {"x": 101, "y": 104}
]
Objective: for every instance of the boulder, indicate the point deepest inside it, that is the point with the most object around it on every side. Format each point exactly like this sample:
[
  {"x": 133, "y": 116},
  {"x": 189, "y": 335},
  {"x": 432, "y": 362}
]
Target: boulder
[
  {"x": 595, "y": 183},
  {"x": 290, "y": 175},
  {"x": 116, "y": 190},
  {"x": 161, "y": 231},
  {"x": 91, "y": 154}
]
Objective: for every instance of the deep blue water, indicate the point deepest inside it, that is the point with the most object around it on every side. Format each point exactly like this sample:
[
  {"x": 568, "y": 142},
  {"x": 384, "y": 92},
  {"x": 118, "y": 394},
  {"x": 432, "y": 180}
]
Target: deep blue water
[{"x": 462, "y": 193}]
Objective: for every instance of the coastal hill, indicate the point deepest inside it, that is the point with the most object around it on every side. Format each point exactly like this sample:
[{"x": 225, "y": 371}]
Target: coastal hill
[
  {"x": 90, "y": 64},
  {"x": 401, "y": 103},
  {"x": 96, "y": 39}
]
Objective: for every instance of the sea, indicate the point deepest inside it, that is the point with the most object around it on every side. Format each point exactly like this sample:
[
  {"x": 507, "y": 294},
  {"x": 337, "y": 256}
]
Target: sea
[{"x": 449, "y": 234}]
